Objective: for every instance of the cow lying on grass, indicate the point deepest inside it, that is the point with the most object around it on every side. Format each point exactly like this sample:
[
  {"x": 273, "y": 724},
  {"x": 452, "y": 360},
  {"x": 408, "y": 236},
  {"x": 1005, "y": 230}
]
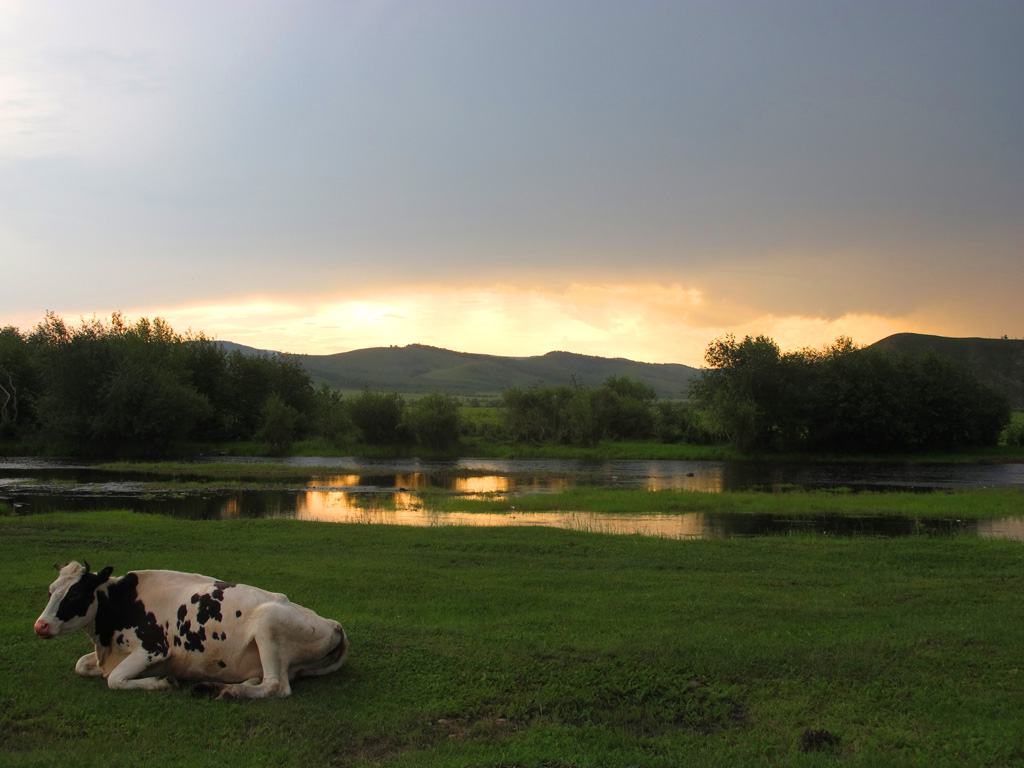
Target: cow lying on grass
[{"x": 153, "y": 627}]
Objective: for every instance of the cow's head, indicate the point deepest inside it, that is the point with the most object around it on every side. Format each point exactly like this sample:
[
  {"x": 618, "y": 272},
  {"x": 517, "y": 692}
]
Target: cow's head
[{"x": 72, "y": 600}]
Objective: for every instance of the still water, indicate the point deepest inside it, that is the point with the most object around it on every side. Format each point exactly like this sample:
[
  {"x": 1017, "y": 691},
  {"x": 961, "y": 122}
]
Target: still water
[{"x": 352, "y": 490}]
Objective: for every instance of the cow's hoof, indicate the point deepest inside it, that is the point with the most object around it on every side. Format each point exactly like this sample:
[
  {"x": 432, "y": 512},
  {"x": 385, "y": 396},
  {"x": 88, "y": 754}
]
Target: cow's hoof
[
  {"x": 171, "y": 682},
  {"x": 207, "y": 689}
]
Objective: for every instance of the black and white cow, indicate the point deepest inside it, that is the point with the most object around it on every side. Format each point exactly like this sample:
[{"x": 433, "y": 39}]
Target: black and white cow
[{"x": 151, "y": 628}]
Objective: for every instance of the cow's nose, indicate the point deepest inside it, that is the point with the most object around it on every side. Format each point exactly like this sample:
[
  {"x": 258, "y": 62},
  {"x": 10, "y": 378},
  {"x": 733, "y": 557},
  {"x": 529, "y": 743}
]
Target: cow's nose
[{"x": 42, "y": 629}]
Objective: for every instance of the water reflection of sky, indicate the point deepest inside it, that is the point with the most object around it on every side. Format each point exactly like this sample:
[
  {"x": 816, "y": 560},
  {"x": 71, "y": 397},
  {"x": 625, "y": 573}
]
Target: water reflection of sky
[
  {"x": 345, "y": 499},
  {"x": 406, "y": 508},
  {"x": 709, "y": 478},
  {"x": 394, "y": 493}
]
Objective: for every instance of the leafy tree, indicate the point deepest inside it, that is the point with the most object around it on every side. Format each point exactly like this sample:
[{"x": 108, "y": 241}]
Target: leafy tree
[
  {"x": 743, "y": 389},
  {"x": 433, "y": 421},
  {"x": 207, "y": 365},
  {"x": 531, "y": 415},
  {"x": 73, "y": 366},
  {"x": 146, "y": 409},
  {"x": 331, "y": 418},
  {"x": 115, "y": 386},
  {"x": 251, "y": 379},
  {"x": 17, "y": 382},
  {"x": 844, "y": 399},
  {"x": 954, "y": 408},
  {"x": 624, "y": 408},
  {"x": 676, "y": 422},
  {"x": 278, "y": 429},
  {"x": 378, "y": 417},
  {"x": 578, "y": 415}
]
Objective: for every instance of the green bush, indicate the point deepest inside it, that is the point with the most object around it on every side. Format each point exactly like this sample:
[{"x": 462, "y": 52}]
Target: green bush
[
  {"x": 1014, "y": 433},
  {"x": 844, "y": 399},
  {"x": 433, "y": 421},
  {"x": 378, "y": 417}
]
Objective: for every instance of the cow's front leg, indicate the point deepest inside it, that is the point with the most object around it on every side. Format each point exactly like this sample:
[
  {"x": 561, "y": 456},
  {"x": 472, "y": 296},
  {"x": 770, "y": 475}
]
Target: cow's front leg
[
  {"x": 89, "y": 666},
  {"x": 127, "y": 674}
]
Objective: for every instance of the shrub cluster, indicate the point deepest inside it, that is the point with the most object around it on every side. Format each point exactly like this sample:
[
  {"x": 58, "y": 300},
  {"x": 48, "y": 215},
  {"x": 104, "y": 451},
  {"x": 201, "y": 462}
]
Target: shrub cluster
[
  {"x": 620, "y": 409},
  {"x": 139, "y": 389},
  {"x": 136, "y": 389},
  {"x": 844, "y": 399}
]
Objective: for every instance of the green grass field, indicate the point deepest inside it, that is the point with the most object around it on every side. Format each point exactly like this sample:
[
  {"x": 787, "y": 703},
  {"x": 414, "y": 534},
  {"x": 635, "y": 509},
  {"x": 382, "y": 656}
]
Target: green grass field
[{"x": 536, "y": 647}]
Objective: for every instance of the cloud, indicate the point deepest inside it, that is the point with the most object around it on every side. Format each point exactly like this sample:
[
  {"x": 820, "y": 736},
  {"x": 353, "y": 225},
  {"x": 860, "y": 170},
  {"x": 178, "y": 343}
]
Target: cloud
[
  {"x": 647, "y": 322},
  {"x": 486, "y": 176}
]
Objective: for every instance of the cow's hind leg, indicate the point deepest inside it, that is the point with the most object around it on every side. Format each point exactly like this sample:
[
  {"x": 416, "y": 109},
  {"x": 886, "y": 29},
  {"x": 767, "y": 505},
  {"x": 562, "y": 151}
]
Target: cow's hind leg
[{"x": 273, "y": 658}]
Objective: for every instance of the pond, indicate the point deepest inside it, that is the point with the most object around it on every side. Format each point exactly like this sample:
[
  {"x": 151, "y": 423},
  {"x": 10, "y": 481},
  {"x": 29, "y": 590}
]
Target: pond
[{"x": 353, "y": 490}]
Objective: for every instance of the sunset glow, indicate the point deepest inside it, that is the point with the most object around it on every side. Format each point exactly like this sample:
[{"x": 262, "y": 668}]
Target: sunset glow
[
  {"x": 645, "y": 323},
  {"x": 318, "y": 177}
]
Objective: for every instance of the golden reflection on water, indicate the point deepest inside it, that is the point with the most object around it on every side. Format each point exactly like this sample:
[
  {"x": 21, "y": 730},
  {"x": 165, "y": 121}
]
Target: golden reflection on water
[
  {"x": 480, "y": 485},
  {"x": 345, "y": 499},
  {"x": 404, "y": 508},
  {"x": 1002, "y": 529},
  {"x": 335, "y": 481},
  {"x": 711, "y": 481},
  {"x": 232, "y": 507}
]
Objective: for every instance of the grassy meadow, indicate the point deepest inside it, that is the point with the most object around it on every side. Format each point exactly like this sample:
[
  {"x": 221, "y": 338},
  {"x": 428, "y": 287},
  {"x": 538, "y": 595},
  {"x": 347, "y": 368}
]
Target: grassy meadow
[{"x": 538, "y": 647}]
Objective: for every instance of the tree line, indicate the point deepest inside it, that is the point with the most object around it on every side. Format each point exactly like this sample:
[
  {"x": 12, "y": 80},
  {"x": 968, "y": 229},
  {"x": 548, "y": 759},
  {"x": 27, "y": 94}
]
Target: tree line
[
  {"x": 844, "y": 399},
  {"x": 620, "y": 409},
  {"x": 142, "y": 389}
]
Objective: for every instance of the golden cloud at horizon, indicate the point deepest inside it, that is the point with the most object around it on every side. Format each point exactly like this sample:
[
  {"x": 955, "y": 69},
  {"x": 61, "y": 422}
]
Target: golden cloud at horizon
[{"x": 645, "y": 322}]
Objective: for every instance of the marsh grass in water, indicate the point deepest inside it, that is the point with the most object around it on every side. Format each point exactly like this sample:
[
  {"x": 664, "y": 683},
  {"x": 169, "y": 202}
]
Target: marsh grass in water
[
  {"x": 533, "y": 647},
  {"x": 953, "y": 505}
]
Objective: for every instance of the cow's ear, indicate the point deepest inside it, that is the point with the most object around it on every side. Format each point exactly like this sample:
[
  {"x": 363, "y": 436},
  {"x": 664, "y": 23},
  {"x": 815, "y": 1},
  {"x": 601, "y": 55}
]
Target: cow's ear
[{"x": 105, "y": 573}]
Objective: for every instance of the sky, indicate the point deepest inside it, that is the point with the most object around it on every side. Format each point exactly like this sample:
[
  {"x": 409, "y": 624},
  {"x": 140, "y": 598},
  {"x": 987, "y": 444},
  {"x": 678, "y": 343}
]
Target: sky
[{"x": 624, "y": 179}]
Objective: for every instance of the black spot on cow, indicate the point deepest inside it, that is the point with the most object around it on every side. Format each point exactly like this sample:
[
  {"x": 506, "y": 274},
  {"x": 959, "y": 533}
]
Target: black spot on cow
[
  {"x": 238, "y": 614},
  {"x": 120, "y": 608},
  {"x": 80, "y": 595},
  {"x": 209, "y": 608},
  {"x": 182, "y": 613},
  {"x": 193, "y": 641},
  {"x": 219, "y": 587},
  {"x": 221, "y": 664},
  {"x": 177, "y": 641}
]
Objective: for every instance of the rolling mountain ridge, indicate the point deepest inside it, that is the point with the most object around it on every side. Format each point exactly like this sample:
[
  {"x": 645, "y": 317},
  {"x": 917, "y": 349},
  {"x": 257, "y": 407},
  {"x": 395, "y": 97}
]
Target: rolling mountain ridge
[{"x": 419, "y": 369}]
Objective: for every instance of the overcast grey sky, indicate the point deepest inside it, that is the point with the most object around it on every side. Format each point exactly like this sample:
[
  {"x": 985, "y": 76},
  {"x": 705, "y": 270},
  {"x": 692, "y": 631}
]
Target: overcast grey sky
[{"x": 615, "y": 178}]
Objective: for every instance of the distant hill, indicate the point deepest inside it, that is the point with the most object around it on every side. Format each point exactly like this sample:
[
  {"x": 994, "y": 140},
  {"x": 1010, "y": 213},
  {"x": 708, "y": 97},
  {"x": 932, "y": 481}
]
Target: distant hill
[
  {"x": 417, "y": 368},
  {"x": 996, "y": 362}
]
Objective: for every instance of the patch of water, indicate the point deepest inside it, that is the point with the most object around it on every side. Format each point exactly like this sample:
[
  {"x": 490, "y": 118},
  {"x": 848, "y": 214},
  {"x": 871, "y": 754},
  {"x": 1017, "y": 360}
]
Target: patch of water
[
  {"x": 389, "y": 492},
  {"x": 357, "y": 505}
]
